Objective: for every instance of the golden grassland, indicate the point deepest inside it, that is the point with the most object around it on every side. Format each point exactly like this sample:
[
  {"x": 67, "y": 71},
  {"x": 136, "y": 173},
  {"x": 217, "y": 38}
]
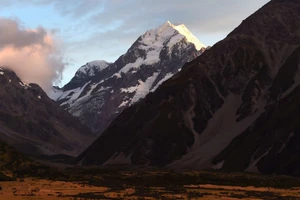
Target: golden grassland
[{"x": 152, "y": 185}]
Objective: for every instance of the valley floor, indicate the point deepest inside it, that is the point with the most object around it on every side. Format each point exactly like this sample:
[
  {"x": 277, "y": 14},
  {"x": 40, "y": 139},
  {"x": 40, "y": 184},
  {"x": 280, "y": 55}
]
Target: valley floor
[
  {"x": 95, "y": 183},
  {"x": 37, "y": 189}
]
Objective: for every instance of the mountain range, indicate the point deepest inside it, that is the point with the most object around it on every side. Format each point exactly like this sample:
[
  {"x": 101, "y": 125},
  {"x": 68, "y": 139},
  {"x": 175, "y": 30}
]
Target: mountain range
[
  {"x": 100, "y": 91},
  {"x": 234, "y": 108}
]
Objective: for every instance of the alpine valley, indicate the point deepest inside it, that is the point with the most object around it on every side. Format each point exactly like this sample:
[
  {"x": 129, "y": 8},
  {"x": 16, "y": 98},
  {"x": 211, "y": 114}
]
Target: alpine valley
[{"x": 169, "y": 119}]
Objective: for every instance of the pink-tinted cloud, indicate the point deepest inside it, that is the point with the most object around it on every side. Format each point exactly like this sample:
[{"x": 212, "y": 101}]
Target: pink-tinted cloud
[{"x": 31, "y": 53}]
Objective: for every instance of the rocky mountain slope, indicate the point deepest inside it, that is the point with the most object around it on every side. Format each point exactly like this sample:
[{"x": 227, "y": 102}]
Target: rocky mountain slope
[
  {"x": 100, "y": 90},
  {"x": 236, "y": 107},
  {"x": 35, "y": 124}
]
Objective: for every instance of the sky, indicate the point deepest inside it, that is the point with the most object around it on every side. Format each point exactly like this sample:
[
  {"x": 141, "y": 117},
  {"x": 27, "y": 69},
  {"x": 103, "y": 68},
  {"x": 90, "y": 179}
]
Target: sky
[{"x": 85, "y": 30}]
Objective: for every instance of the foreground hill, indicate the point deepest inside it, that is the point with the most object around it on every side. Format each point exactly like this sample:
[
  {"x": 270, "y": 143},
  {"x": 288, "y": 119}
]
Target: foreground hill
[
  {"x": 35, "y": 124},
  {"x": 100, "y": 91},
  {"x": 236, "y": 107}
]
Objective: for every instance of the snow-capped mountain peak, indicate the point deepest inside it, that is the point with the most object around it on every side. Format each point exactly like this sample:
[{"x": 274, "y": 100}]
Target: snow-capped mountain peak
[
  {"x": 98, "y": 98},
  {"x": 169, "y": 34},
  {"x": 152, "y": 46},
  {"x": 90, "y": 68},
  {"x": 182, "y": 29}
]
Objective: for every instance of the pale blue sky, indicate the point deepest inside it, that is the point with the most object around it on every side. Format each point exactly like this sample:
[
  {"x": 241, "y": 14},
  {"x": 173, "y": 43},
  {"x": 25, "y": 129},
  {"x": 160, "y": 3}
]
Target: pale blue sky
[{"x": 104, "y": 29}]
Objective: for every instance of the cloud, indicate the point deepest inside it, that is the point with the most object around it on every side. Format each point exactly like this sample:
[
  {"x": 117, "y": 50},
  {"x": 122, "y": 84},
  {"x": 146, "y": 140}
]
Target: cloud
[
  {"x": 204, "y": 16},
  {"x": 31, "y": 53},
  {"x": 11, "y": 34}
]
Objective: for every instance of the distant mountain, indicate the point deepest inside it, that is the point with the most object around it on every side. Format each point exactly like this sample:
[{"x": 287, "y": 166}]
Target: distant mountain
[
  {"x": 235, "y": 108},
  {"x": 100, "y": 90},
  {"x": 34, "y": 124}
]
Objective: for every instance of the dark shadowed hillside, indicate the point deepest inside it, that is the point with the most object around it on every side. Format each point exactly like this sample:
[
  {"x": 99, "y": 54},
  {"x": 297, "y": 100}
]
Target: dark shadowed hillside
[{"x": 35, "y": 124}]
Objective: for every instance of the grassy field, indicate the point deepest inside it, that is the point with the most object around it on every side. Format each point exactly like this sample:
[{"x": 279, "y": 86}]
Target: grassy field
[
  {"x": 35, "y": 189},
  {"x": 113, "y": 183}
]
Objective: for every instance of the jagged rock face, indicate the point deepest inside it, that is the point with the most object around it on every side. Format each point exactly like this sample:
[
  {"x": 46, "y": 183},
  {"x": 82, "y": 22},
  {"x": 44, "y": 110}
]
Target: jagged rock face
[
  {"x": 98, "y": 98},
  {"x": 35, "y": 124},
  {"x": 84, "y": 74},
  {"x": 233, "y": 108}
]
